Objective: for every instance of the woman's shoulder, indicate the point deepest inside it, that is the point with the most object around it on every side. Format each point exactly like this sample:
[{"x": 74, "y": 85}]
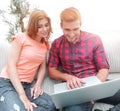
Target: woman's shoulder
[{"x": 20, "y": 37}]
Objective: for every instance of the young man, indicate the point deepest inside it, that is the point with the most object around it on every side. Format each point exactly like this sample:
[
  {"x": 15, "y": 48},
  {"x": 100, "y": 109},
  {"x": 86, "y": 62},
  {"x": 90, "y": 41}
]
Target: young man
[{"x": 80, "y": 54}]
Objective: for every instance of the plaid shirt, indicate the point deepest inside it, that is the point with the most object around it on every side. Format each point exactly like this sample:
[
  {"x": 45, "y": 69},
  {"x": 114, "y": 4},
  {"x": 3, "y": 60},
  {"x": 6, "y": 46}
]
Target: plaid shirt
[{"x": 82, "y": 59}]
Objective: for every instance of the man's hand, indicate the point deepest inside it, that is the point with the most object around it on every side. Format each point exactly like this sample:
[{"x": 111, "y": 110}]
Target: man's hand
[{"x": 73, "y": 82}]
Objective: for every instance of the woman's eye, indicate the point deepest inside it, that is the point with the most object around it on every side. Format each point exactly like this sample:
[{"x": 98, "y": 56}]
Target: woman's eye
[
  {"x": 39, "y": 27},
  {"x": 46, "y": 25}
]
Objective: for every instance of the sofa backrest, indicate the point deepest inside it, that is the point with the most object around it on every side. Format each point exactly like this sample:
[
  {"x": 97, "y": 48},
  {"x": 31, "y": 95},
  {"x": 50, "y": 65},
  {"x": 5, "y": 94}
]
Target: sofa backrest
[
  {"x": 112, "y": 49},
  {"x": 4, "y": 49}
]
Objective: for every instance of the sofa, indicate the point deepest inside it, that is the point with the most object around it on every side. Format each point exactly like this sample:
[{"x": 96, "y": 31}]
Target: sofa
[{"x": 112, "y": 50}]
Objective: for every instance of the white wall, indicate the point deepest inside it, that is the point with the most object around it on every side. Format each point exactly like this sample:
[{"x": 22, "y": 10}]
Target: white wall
[
  {"x": 3, "y": 28},
  {"x": 98, "y": 16}
]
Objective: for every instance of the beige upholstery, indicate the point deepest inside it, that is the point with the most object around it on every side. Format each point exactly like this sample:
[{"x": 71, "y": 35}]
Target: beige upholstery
[
  {"x": 112, "y": 49},
  {"x": 4, "y": 49}
]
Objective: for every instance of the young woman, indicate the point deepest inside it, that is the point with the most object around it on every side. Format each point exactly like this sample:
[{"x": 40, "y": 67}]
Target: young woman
[{"x": 27, "y": 56}]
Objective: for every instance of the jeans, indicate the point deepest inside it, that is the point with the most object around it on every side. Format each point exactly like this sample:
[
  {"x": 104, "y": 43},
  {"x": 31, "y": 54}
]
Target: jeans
[
  {"x": 10, "y": 101},
  {"x": 114, "y": 100},
  {"x": 80, "y": 107}
]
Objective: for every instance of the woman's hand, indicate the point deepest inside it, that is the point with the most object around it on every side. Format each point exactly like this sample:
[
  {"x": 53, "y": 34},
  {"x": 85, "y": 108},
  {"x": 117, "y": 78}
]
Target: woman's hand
[
  {"x": 36, "y": 91},
  {"x": 28, "y": 105}
]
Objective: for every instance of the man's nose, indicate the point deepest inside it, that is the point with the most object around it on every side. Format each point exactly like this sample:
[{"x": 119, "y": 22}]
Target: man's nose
[{"x": 71, "y": 34}]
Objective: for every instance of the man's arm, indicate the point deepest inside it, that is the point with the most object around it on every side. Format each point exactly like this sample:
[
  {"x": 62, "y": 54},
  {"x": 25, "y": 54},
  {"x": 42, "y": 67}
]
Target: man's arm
[
  {"x": 101, "y": 61},
  {"x": 72, "y": 81},
  {"x": 56, "y": 74},
  {"x": 102, "y": 74}
]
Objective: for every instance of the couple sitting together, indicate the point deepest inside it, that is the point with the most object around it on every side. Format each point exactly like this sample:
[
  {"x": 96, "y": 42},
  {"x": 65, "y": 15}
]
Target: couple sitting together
[{"x": 80, "y": 54}]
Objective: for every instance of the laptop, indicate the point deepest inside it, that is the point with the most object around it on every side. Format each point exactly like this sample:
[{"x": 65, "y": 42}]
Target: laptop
[
  {"x": 92, "y": 90},
  {"x": 62, "y": 87}
]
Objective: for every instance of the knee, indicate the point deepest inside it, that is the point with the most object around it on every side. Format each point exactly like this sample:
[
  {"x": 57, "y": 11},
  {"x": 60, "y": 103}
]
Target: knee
[
  {"x": 18, "y": 107},
  {"x": 11, "y": 107},
  {"x": 45, "y": 101},
  {"x": 7, "y": 105},
  {"x": 51, "y": 105}
]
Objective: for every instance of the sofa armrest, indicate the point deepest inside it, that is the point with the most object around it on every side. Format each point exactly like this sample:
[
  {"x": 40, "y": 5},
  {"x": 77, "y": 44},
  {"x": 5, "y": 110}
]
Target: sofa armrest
[{"x": 4, "y": 50}]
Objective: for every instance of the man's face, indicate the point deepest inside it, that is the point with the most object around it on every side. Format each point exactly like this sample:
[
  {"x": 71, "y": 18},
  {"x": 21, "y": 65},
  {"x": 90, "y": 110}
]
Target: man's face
[{"x": 71, "y": 30}]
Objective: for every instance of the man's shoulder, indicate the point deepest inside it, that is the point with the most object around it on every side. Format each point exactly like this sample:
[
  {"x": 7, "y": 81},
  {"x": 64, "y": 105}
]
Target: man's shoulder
[{"x": 88, "y": 35}]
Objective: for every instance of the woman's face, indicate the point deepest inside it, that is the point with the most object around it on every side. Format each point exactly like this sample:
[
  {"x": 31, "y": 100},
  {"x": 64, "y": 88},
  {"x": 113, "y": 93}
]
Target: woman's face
[{"x": 43, "y": 29}]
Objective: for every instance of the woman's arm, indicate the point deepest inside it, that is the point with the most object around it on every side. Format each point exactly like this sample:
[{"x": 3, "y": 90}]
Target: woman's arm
[
  {"x": 41, "y": 73},
  {"x": 12, "y": 70},
  {"x": 37, "y": 88},
  {"x": 14, "y": 77}
]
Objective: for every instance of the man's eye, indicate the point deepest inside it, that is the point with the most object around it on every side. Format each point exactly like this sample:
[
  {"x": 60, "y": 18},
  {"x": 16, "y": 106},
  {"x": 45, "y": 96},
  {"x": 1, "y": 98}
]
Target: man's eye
[
  {"x": 67, "y": 29},
  {"x": 76, "y": 29}
]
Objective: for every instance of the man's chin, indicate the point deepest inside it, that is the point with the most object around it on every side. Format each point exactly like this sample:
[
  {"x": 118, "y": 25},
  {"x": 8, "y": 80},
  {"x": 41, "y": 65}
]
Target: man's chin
[{"x": 71, "y": 41}]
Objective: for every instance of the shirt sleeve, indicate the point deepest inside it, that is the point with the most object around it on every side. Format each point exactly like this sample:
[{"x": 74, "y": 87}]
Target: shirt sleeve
[
  {"x": 53, "y": 56},
  {"x": 100, "y": 58},
  {"x": 19, "y": 38}
]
